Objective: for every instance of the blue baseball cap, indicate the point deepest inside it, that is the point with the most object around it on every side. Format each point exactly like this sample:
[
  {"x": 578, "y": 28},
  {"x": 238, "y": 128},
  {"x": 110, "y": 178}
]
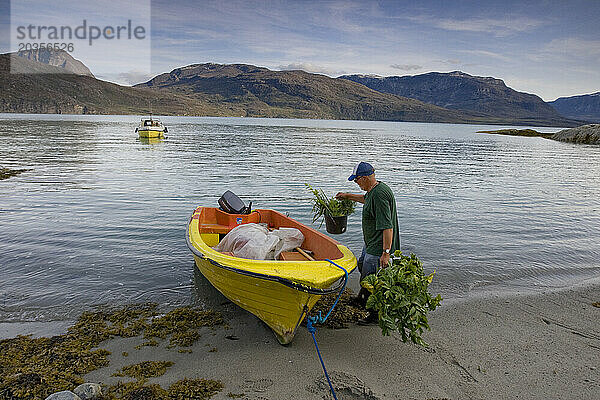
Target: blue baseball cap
[{"x": 361, "y": 169}]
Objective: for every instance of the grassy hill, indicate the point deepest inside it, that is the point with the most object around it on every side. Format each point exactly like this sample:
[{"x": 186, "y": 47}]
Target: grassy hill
[{"x": 294, "y": 94}]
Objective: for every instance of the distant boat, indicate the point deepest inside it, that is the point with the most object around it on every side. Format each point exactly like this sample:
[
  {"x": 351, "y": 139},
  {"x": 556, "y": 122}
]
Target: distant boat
[{"x": 151, "y": 128}]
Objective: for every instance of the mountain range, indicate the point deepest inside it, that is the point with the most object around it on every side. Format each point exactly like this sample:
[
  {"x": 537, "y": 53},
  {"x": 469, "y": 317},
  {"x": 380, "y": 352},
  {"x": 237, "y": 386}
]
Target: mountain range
[
  {"x": 255, "y": 91},
  {"x": 459, "y": 91},
  {"x": 42, "y": 82},
  {"x": 585, "y": 107}
]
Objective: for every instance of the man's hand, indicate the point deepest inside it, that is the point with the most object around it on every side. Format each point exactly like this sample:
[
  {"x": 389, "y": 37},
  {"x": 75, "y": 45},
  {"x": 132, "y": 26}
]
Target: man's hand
[
  {"x": 354, "y": 197},
  {"x": 384, "y": 260}
]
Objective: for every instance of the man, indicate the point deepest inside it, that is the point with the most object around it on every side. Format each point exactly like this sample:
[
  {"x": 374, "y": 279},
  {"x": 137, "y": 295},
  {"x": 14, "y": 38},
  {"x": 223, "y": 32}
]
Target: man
[{"x": 379, "y": 224}]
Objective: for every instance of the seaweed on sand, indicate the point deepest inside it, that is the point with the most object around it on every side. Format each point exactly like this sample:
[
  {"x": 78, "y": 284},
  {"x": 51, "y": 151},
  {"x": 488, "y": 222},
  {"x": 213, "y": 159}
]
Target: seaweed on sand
[
  {"x": 184, "y": 389},
  {"x": 145, "y": 369},
  {"x": 34, "y": 368},
  {"x": 194, "y": 389},
  {"x": 135, "y": 390},
  {"x": 343, "y": 313},
  {"x": 182, "y": 324}
]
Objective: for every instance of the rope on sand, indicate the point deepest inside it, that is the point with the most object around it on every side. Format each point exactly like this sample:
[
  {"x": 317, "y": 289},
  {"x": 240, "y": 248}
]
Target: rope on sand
[{"x": 318, "y": 319}]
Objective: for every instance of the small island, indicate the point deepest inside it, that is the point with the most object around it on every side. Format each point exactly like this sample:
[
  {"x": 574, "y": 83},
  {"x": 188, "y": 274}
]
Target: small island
[
  {"x": 519, "y": 132},
  {"x": 6, "y": 173},
  {"x": 585, "y": 134}
]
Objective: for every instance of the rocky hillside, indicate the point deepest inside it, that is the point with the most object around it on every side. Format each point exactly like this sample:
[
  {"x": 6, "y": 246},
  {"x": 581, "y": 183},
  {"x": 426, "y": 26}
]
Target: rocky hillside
[
  {"x": 586, "y": 134},
  {"x": 459, "y": 91},
  {"x": 43, "y": 88},
  {"x": 56, "y": 58},
  {"x": 585, "y": 107},
  {"x": 295, "y": 94}
]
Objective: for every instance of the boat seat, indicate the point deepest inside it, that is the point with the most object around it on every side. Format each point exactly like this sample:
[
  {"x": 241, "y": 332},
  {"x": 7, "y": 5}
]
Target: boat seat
[
  {"x": 292, "y": 256},
  {"x": 214, "y": 228}
]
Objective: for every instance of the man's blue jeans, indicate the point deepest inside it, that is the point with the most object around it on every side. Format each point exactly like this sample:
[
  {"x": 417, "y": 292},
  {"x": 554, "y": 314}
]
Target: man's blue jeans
[{"x": 367, "y": 264}]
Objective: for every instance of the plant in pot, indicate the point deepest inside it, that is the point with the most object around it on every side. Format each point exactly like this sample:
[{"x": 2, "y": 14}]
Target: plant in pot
[{"x": 334, "y": 211}]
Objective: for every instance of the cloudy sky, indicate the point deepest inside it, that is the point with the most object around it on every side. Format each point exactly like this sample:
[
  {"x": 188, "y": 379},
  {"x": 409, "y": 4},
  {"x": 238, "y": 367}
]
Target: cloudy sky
[{"x": 549, "y": 48}]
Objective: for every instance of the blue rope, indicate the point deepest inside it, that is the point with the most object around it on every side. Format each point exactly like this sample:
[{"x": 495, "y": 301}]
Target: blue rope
[
  {"x": 312, "y": 331},
  {"x": 320, "y": 320}
]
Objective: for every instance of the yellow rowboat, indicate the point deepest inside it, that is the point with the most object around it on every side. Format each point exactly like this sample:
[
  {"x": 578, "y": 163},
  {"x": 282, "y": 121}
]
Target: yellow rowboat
[
  {"x": 151, "y": 128},
  {"x": 279, "y": 292}
]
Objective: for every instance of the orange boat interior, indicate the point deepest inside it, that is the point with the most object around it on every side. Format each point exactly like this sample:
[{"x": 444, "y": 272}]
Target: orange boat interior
[{"x": 316, "y": 246}]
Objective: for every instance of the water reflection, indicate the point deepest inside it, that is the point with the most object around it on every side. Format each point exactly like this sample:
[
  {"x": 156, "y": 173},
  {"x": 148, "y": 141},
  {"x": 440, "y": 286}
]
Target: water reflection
[
  {"x": 204, "y": 293},
  {"x": 151, "y": 140}
]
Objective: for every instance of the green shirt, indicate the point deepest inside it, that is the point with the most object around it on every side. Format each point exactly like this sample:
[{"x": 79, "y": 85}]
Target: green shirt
[{"x": 379, "y": 213}]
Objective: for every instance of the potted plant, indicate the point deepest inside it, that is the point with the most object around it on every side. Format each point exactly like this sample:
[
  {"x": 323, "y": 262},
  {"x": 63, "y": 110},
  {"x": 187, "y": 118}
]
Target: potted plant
[{"x": 334, "y": 211}]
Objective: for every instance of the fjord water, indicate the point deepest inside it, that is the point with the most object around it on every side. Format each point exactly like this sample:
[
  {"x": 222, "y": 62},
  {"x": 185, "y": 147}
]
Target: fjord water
[{"x": 101, "y": 216}]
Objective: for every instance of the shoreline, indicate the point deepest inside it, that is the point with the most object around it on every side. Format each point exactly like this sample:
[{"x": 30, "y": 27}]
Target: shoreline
[
  {"x": 527, "y": 123},
  {"x": 534, "y": 346},
  {"x": 37, "y": 329}
]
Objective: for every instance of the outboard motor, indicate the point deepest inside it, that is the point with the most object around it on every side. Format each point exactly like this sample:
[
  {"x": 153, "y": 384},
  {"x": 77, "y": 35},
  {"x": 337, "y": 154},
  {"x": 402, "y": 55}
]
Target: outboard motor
[{"x": 232, "y": 204}]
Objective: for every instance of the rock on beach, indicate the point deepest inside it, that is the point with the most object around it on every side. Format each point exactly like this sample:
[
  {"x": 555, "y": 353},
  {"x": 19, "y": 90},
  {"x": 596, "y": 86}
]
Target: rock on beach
[
  {"x": 85, "y": 391},
  {"x": 88, "y": 391},
  {"x": 64, "y": 395}
]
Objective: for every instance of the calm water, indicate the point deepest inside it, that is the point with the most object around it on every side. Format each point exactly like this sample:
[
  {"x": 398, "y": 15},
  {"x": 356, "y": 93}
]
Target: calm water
[{"x": 101, "y": 217}]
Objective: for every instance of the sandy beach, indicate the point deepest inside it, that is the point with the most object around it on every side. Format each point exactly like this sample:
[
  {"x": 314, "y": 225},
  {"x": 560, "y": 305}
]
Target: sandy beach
[{"x": 540, "y": 346}]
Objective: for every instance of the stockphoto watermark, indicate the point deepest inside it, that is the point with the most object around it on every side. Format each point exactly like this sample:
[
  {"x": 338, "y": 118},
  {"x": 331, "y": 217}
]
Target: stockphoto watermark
[
  {"x": 108, "y": 38},
  {"x": 61, "y": 37}
]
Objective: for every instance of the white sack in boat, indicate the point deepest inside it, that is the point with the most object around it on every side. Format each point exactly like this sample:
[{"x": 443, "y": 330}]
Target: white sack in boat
[
  {"x": 255, "y": 242},
  {"x": 290, "y": 238}
]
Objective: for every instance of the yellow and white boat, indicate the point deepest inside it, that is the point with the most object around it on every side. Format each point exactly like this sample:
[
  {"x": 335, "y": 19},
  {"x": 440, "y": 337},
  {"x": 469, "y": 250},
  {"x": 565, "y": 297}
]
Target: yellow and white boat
[
  {"x": 279, "y": 292},
  {"x": 151, "y": 128}
]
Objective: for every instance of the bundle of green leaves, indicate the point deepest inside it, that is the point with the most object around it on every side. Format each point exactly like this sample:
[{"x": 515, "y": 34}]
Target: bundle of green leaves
[
  {"x": 400, "y": 296},
  {"x": 323, "y": 204}
]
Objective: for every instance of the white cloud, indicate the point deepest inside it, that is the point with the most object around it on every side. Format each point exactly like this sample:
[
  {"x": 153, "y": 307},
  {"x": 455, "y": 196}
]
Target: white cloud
[
  {"x": 127, "y": 78},
  {"x": 407, "y": 67},
  {"x": 573, "y": 47},
  {"x": 497, "y": 26},
  {"x": 575, "y": 52},
  {"x": 312, "y": 68},
  {"x": 485, "y": 53},
  {"x": 451, "y": 61}
]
